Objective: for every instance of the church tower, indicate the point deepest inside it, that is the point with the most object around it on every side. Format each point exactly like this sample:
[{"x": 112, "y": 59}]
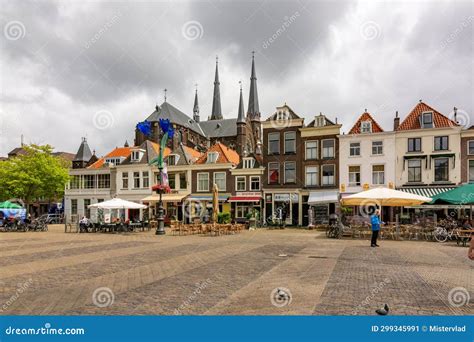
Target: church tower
[
  {"x": 241, "y": 126},
  {"x": 216, "y": 113},
  {"x": 196, "y": 107},
  {"x": 253, "y": 111}
]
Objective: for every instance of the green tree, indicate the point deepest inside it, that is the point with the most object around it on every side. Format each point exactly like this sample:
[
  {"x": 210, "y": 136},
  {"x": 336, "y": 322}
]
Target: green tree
[{"x": 35, "y": 174}]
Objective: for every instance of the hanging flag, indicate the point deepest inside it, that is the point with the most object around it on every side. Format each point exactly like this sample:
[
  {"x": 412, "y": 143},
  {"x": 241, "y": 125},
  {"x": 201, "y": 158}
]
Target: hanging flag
[{"x": 144, "y": 127}]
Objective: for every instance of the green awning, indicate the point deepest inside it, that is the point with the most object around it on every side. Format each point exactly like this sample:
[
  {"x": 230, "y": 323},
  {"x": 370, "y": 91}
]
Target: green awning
[
  {"x": 427, "y": 191},
  {"x": 9, "y": 205},
  {"x": 461, "y": 195}
]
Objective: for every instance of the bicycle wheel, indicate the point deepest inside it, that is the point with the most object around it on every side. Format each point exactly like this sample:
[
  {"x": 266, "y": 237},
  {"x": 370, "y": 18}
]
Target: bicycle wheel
[{"x": 440, "y": 235}]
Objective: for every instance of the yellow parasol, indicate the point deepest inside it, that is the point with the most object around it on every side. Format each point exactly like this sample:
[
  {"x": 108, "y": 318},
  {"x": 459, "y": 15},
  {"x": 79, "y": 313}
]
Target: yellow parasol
[{"x": 215, "y": 203}]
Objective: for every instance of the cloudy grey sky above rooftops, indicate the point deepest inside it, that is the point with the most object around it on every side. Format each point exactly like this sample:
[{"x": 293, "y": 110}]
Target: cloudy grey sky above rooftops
[{"x": 89, "y": 68}]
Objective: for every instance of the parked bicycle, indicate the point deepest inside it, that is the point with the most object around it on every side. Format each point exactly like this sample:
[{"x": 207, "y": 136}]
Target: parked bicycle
[{"x": 446, "y": 230}]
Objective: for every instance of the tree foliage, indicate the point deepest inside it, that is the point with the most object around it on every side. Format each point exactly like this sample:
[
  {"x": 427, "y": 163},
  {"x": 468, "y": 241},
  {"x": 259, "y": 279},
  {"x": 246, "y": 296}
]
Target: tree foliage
[{"x": 32, "y": 175}]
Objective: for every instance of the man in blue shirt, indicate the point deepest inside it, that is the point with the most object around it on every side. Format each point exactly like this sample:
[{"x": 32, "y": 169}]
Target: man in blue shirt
[{"x": 375, "y": 222}]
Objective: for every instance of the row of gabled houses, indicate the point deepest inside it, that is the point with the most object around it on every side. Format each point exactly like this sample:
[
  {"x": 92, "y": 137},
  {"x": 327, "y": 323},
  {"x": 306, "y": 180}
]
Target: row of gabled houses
[{"x": 278, "y": 163}]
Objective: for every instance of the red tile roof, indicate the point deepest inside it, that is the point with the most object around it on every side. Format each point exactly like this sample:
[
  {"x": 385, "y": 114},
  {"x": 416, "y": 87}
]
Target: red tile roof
[
  {"x": 366, "y": 117},
  {"x": 117, "y": 152},
  {"x": 226, "y": 155},
  {"x": 412, "y": 121}
]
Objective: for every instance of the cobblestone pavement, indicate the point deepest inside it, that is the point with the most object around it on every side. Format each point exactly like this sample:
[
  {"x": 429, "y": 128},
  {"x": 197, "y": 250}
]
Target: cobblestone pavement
[{"x": 269, "y": 272}]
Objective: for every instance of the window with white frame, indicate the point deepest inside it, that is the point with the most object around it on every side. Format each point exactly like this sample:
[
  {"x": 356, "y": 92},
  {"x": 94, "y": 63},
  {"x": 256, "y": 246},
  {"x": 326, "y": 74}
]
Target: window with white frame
[
  {"x": 103, "y": 181},
  {"x": 471, "y": 171},
  {"x": 290, "y": 142},
  {"x": 146, "y": 179},
  {"x": 378, "y": 174},
  {"x": 290, "y": 172},
  {"x": 354, "y": 149},
  {"x": 203, "y": 181},
  {"x": 377, "y": 147},
  {"x": 249, "y": 163},
  {"x": 172, "y": 180},
  {"x": 240, "y": 183},
  {"x": 320, "y": 121},
  {"x": 73, "y": 206},
  {"x": 470, "y": 147},
  {"x": 75, "y": 182},
  {"x": 212, "y": 157},
  {"x": 354, "y": 175},
  {"x": 312, "y": 176},
  {"x": 427, "y": 120},
  {"x": 89, "y": 181},
  {"x": 311, "y": 148},
  {"x": 328, "y": 148},
  {"x": 124, "y": 180},
  {"x": 328, "y": 174},
  {"x": 219, "y": 180},
  {"x": 273, "y": 173},
  {"x": 136, "y": 180},
  {"x": 135, "y": 156},
  {"x": 274, "y": 143},
  {"x": 441, "y": 143},
  {"x": 241, "y": 210},
  {"x": 366, "y": 127},
  {"x": 254, "y": 183}
]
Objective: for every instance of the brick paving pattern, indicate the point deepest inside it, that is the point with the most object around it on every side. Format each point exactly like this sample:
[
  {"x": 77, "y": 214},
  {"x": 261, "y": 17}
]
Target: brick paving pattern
[{"x": 57, "y": 273}]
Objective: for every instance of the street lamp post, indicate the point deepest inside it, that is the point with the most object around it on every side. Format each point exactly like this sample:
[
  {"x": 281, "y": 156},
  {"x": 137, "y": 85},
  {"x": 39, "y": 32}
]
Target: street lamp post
[{"x": 160, "y": 228}]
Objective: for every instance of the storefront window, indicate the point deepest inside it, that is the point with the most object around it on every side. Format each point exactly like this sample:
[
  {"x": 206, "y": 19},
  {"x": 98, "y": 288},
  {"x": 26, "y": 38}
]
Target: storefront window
[
  {"x": 471, "y": 171},
  {"x": 241, "y": 211}
]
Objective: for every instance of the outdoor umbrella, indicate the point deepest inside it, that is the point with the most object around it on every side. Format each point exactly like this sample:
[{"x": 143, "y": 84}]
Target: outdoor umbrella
[
  {"x": 215, "y": 203},
  {"x": 117, "y": 203},
  {"x": 385, "y": 197},
  {"x": 463, "y": 195},
  {"x": 9, "y": 205}
]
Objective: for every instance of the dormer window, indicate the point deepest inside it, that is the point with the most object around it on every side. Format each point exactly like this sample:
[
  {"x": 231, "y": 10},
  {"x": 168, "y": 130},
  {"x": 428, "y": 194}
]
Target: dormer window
[
  {"x": 427, "y": 120},
  {"x": 136, "y": 155},
  {"x": 320, "y": 121},
  {"x": 212, "y": 157},
  {"x": 249, "y": 163},
  {"x": 366, "y": 127},
  {"x": 173, "y": 159},
  {"x": 114, "y": 160},
  {"x": 282, "y": 115}
]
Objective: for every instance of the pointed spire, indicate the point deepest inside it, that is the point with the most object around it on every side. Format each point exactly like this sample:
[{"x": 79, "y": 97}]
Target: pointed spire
[
  {"x": 241, "y": 116},
  {"x": 253, "y": 110},
  {"x": 126, "y": 144},
  {"x": 216, "y": 113},
  {"x": 196, "y": 106}
]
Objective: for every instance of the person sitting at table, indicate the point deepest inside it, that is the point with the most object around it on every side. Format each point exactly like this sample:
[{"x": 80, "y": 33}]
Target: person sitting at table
[
  {"x": 83, "y": 224},
  {"x": 466, "y": 225}
]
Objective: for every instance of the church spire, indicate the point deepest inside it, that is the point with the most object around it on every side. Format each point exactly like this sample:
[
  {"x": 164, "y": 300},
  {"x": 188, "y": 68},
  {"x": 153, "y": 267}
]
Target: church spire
[
  {"x": 216, "y": 102},
  {"x": 196, "y": 107},
  {"x": 253, "y": 111},
  {"x": 241, "y": 115}
]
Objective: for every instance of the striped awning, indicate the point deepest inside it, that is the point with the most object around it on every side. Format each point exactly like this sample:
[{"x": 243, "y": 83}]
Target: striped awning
[{"x": 427, "y": 191}]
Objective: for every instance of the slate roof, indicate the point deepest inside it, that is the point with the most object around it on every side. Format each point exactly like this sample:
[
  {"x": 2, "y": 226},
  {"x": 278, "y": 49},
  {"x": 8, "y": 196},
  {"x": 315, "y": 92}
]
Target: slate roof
[
  {"x": 366, "y": 117},
  {"x": 219, "y": 128},
  {"x": 84, "y": 152},
  {"x": 412, "y": 121},
  {"x": 226, "y": 155},
  {"x": 167, "y": 111}
]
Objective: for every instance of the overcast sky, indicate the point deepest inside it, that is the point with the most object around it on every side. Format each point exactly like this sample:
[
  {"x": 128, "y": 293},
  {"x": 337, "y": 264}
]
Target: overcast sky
[{"x": 94, "y": 69}]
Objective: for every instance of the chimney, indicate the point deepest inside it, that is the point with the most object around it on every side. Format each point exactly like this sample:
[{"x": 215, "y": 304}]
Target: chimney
[
  {"x": 455, "y": 115},
  {"x": 396, "y": 121}
]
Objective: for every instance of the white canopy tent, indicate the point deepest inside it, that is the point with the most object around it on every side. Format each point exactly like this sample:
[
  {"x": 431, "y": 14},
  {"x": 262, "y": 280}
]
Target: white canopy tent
[
  {"x": 117, "y": 203},
  {"x": 384, "y": 197}
]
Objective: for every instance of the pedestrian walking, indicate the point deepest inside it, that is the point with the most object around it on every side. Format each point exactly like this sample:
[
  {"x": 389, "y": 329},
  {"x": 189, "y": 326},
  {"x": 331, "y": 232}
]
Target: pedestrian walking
[{"x": 375, "y": 222}]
